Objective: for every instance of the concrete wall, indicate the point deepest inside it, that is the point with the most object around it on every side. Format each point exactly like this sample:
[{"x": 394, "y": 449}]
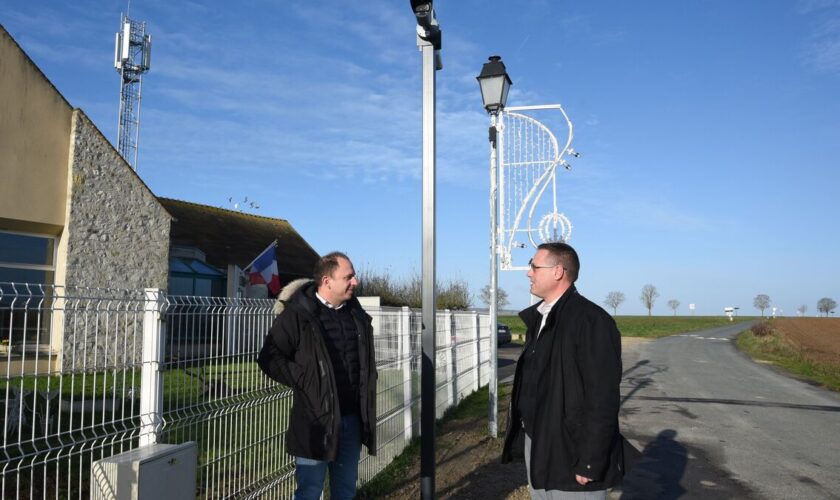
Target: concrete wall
[{"x": 34, "y": 144}]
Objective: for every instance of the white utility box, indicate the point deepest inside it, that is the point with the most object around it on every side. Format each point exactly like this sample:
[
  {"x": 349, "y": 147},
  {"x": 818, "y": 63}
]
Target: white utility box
[{"x": 153, "y": 472}]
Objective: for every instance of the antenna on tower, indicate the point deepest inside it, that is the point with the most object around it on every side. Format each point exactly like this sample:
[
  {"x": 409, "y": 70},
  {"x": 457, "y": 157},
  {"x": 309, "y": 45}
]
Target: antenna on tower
[{"x": 132, "y": 56}]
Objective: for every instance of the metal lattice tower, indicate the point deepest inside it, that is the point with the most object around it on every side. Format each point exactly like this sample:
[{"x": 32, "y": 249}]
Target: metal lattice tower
[{"x": 132, "y": 54}]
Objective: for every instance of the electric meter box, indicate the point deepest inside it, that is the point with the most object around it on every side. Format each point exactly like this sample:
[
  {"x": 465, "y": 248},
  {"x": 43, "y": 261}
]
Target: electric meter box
[{"x": 152, "y": 472}]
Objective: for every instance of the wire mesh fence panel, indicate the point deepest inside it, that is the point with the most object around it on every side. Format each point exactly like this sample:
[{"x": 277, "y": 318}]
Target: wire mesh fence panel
[
  {"x": 215, "y": 394},
  {"x": 70, "y": 375},
  {"x": 484, "y": 349},
  {"x": 465, "y": 354},
  {"x": 91, "y": 373}
]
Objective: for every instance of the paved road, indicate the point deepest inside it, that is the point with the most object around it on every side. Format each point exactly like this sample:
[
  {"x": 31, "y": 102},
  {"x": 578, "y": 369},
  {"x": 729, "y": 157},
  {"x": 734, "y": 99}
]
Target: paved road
[
  {"x": 508, "y": 354},
  {"x": 713, "y": 424}
]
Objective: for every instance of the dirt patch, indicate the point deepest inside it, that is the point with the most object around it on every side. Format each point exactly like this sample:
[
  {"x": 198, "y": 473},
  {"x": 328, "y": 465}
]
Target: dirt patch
[
  {"x": 632, "y": 342},
  {"x": 467, "y": 463},
  {"x": 467, "y": 458},
  {"x": 817, "y": 338}
]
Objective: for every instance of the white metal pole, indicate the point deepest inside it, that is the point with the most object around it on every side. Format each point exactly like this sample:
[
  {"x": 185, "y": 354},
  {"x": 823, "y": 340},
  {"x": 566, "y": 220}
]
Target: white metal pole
[
  {"x": 427, "y": 392},
  {"x": 494, "y": 276}
]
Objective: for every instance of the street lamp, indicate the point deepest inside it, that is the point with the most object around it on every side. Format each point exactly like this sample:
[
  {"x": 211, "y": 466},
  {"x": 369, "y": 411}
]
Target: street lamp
[
  {"x": 429, "y": 43},
  {"x": 495, "y": 84}
]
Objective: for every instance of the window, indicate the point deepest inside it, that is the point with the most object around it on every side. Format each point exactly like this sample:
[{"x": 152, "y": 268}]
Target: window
[
  {"x": 27, "y": 258},
  {"x": 188, "y": 319},
  {"x": 26, "y": 262},
  {"x": 193, "y": 277}
]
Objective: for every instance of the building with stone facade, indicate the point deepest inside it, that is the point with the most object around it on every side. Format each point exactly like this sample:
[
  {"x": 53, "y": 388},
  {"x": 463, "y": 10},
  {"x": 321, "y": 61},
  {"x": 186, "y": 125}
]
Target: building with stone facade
[
  {"x": 64, "y": 195},
  {"x": 74, "y": 215}
]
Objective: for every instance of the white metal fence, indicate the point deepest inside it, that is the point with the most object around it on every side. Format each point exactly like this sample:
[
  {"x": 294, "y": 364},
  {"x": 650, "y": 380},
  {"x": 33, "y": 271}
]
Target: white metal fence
[{"x": 89, "y": 373}]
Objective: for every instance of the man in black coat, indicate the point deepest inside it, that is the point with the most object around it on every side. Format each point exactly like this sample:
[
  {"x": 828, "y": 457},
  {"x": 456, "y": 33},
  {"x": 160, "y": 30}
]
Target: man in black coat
[
  {"x": 321, "y": 346},
  {"x": 564, "y": 406}
]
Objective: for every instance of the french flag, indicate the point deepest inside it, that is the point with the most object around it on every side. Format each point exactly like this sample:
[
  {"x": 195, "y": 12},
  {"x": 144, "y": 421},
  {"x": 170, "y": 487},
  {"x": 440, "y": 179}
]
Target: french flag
[{"x": 264, "y": 269}]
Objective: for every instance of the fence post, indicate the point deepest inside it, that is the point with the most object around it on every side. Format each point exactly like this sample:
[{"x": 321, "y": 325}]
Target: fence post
[
  {"x": 457, "y": 369},
  {"x": 151, "y": 380},
  {"x": 405, "y": 361},
  {"x": 450, "y": 360},
  {"x": 477, "y": 331}
]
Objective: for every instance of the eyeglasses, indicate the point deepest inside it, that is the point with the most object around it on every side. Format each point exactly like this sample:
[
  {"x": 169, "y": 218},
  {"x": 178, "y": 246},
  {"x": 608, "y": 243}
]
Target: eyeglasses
[{"x": 534, "y": 267}]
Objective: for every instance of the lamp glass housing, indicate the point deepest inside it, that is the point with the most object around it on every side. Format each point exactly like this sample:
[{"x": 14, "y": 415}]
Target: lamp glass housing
[{"x": 495, "y": 84}]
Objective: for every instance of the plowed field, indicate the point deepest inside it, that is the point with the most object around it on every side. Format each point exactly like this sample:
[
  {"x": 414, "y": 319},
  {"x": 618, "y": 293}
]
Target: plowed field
[{"x": 818, "y": 338}]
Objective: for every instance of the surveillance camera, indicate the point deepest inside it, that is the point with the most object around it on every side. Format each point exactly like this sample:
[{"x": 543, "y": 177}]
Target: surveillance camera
[
  {"x": 424, "y": 13},
  {"x": 573, "y": 153}
]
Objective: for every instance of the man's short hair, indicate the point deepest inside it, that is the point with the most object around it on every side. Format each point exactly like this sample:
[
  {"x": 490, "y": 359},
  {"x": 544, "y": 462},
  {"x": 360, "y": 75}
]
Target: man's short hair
[
  {"x": 327, "y": 264},
  {"x": 564, "y": 255}
]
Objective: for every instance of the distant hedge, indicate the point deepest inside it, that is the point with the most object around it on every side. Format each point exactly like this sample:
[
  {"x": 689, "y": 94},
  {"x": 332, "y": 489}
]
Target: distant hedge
[{"x": 454, "y": 294}]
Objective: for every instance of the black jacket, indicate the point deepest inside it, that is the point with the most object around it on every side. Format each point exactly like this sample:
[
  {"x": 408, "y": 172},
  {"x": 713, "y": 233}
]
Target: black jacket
[
  {"x": 575, "y": 427},
  {"x": 294, "y": 353}
]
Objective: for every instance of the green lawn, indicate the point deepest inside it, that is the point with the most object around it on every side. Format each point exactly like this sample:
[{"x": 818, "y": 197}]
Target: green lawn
[{"x": 647, "y": 326}]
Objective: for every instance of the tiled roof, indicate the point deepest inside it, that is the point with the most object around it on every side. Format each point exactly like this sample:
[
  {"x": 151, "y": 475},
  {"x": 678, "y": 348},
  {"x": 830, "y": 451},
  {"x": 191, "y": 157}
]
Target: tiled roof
[{"x": 230, "y": 237}]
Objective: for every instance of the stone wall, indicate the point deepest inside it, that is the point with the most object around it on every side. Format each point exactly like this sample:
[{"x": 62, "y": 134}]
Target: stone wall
[{"x": 117, "y": 233}]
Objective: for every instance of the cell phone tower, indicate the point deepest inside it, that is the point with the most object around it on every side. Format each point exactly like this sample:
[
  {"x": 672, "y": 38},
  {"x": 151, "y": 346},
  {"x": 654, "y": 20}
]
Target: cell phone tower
[{"x": 132, "y": 55}]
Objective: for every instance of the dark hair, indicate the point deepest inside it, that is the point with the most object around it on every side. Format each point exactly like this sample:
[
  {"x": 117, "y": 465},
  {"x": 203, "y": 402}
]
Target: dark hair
[
  {"x": 327, "y": 264},
  {"x": 565, "y": 255}
]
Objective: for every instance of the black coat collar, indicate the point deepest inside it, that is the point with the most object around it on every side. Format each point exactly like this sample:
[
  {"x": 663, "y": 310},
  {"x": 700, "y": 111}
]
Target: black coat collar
[{"x": 532, "y": 317}]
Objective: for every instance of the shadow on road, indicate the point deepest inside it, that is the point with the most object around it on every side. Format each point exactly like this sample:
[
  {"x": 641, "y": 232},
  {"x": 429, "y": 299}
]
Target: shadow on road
[
  {"x": 659, "y": 470},
  {"x": 737, "y": 402},
  {"x": 640, "y": 380}
]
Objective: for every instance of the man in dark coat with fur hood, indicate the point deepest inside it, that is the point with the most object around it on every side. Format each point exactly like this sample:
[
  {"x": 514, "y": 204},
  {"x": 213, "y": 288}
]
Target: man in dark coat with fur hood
[
  {"x": 321, "y": 346},
  {"x": 564, "y": 406}
]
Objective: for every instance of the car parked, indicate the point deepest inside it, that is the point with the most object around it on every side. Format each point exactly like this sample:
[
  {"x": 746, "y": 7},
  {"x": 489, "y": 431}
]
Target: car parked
[{"x": 503, "y": 334}]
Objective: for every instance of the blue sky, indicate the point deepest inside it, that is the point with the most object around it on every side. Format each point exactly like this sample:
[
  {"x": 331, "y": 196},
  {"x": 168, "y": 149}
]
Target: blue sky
[{"x": 709, "y": 129}]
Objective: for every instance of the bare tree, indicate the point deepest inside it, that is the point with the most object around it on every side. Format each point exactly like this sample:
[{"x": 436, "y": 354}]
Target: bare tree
[
  {"x": 802, "y": 309},
  {"x": 501, "y": 296},
  {"x": 649, "y": 296},
  {"x": 674, "y": 304},
  {"x": 826, "y": 305},
  {"x": 762, "y": 302},
  {"x": 613, "y": 300}
]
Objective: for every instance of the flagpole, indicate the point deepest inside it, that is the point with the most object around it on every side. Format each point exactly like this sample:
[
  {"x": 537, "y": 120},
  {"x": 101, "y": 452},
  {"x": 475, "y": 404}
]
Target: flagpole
[{"x": 272, "y": 245}]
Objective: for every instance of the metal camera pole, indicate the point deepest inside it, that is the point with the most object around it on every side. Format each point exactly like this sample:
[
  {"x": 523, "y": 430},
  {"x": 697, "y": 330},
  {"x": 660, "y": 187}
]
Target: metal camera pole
[{"x": 429, "y": 42}]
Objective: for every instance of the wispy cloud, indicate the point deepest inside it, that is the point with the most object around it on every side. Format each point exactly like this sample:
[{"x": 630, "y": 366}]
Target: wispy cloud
[
  {"x": 822, "y": 50},
  {"x": 808, "y": 6},
  {"x": 580, "y": 26}
]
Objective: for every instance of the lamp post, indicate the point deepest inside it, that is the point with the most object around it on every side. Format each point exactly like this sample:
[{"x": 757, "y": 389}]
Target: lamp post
[
  {"x": 495, "y": 84},
  {"x": 429, "y": 43}
]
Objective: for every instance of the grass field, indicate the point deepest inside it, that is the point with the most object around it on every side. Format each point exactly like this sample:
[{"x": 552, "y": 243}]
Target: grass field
[
  {"x": 647, "y": 326},
  {"x": 808, "y": 348}
]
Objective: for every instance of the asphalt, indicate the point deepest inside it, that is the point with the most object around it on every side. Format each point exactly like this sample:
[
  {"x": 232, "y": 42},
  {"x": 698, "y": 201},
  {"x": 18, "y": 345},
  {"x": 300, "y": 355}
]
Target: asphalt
[
  {"x": 508, "y": 354},
  {"x": 709, "y": 423}
]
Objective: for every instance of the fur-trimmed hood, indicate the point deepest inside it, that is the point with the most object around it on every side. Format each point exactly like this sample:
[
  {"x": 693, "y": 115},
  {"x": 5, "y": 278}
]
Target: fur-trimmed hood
[
  {"x": 287, "y": 292},
  {"x": 301, "y": 292}
]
